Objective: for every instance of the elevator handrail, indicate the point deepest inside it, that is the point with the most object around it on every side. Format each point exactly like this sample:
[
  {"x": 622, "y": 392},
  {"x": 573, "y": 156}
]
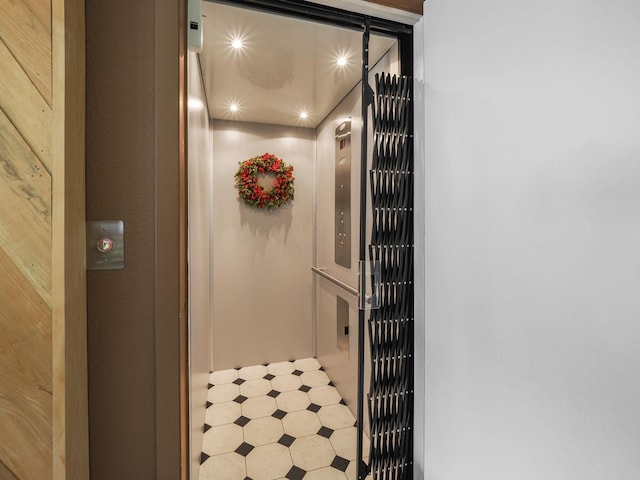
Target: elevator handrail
[{"x": 335, "y": 281}]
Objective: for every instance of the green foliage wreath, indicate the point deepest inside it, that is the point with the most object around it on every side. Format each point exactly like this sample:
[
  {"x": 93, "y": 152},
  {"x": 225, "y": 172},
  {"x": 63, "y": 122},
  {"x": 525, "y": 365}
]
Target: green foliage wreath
[{"x": 246, "y": 181}]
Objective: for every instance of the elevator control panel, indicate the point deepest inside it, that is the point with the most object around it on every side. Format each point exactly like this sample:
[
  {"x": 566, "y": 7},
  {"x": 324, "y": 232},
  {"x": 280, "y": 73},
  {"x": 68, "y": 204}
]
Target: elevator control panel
[
  {"x": 105, "y": 245},
  {"x": 343, "y": 195}
]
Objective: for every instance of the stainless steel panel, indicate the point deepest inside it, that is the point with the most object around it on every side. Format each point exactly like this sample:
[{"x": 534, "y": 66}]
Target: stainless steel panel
[
  {"x": 342, "y": 332},
  {"x": 343, "y": 195},
  {"x": 105, "y": 245}
]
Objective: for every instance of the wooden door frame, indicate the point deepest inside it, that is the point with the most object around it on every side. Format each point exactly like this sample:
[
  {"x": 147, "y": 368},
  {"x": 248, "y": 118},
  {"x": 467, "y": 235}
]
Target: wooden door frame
[
  {"x": 69, "y": 319},
  {"x": 171, "y": 283}
]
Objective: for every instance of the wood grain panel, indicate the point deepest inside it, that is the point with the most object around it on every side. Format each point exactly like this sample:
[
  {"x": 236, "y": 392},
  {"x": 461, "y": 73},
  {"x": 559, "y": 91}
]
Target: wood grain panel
[
  {"x": 25, "y": 375},
  {"x": 25, "y": 209},
  {"x": 25, "y": 107},
  {"x": 5, "y": 473},
  {"x": 414, "y": 6},
  {"x": 25, "y": 27},
  {"x": 26, "y": 408}
]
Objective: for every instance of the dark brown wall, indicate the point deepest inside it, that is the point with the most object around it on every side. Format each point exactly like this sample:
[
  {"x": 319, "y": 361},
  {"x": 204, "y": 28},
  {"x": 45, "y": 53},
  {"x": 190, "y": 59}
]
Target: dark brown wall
[{"x": 126, "y": 72}]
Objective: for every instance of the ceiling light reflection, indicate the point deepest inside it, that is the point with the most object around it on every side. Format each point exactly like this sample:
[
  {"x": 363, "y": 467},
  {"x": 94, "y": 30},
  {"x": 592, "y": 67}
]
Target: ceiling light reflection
[{"x": 195, "y": 104}]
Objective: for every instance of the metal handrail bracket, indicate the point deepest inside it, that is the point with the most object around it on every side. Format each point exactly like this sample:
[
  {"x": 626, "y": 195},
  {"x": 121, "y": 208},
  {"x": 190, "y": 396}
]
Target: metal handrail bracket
[{"x": 335, "y": 281}]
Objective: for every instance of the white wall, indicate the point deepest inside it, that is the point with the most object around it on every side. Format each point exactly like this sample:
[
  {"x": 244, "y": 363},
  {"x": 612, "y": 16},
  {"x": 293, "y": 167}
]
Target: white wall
[
  {"x": 533, "y": 228},
  {"x": 262, "y": 285},
  {"x": 199, "y": 152}
]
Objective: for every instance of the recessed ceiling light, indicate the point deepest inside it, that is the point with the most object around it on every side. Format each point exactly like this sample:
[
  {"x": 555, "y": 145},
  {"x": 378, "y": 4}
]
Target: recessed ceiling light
[
  {"x": 304, "y": 114},
  {"x": 342, "y": 61},
  {"x": 233, "y": 107},
  {"x": 237, "y": 43}
]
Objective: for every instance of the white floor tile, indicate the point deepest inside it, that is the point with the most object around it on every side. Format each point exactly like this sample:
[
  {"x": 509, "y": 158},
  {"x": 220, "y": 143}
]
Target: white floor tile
[
  {"x": 344, "y": 442},
  {"x": 326, "y": 473},
  {"x": 268, "y": 462},
  {"x": 293, "y": 401},
  {"x": 221, "y": 413},
  {"x": 223, "y": 376},
  {"x": 312, "y": 452},
  {"x": 223, "y": 393},
  {"x": 336, "y": 416},
  {"x": 307, "y": 364},
  {"x": 262, "y": 431},
  {"x": 315, "y": 378},
  {"x": 254, "y": 388},
  {"x": 325, "y": 395},
  {"x": 257, "y": 407},
  {"x": 250, "y": 373},
  {"x": 280, "y": 368},
  {"x": 229, "y": 466},
  {"x": 351, "y": 472},
  {"x": 301, "y": 423},
  {"x": 222, "y": 439},
  {"x": 286, "y": 383}
]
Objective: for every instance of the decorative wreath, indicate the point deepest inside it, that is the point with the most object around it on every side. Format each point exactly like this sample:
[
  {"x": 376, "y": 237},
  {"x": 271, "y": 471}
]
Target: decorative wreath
[{"x": 246, "y": 180}]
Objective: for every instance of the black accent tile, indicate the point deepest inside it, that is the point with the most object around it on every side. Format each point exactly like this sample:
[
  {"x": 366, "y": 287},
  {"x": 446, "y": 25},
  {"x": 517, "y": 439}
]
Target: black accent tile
[
  {"x": 313, "y": 407},
  {"x": 239, "y": 381},
  {"x": 340, "y": 463},
  {"x": 203, "y": 458},
  {"x": 268, "y": 376},
  {"x": 304, "y": 388},
  {"x": 286, "y": 440},
  {"x": 209, "y": 385},
  {"x": 242, "y": 421},
  {"x": 209, "y": 403},
  {"x": 206, "y": 427},
  {"x": 321, "y": 368},
  {"x": 296, "y": 372},
  {"x": 273, "y": 393},
  {"x": 325, "y": 432},
  {"x": 240, "y": 399},
  {"x": 244, "y": 449},
  {"x": 265, "y": 364},
  {"x": 331, "y": 384},
  {"x": 279, "y": 414},
  {"x": 342, "y": 402},
  {"x": 248, "y": 478},
  {"x": 296, "y": 473}
]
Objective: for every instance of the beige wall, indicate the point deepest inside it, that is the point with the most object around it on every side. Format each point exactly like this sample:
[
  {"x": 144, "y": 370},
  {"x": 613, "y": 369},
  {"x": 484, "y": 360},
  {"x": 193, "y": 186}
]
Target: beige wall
[
  {"x": 200, "y": 203},
  {"x": 262, "y": 288}
]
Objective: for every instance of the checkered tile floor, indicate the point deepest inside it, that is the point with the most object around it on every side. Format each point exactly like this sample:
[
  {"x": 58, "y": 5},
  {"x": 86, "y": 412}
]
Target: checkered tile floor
[{"x": 278, "y": 421}]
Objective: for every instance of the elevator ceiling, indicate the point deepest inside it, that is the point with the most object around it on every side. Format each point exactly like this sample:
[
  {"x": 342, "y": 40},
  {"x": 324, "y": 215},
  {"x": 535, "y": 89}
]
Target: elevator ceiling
[{"x": 278, "y": 67}]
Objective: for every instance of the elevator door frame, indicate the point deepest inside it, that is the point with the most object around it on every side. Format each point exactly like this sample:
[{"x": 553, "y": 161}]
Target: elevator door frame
[{"x": 367, "y": 24}]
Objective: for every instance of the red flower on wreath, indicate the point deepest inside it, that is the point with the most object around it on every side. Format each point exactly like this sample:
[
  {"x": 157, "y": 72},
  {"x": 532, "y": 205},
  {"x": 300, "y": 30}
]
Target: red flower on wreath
[{"x": 246, "y": 181}]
